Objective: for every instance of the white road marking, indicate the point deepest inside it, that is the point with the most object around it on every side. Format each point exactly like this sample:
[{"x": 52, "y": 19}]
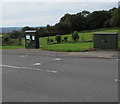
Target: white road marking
[
  {"x": 23, "y": 56},
  {"x": 37, "y": 64},
  {"x": 9, "y": 66},
  {"x": 116, "y": 80},
  {"x": 117, "y": 59},
  {"x": 51, "y": 71},
  {"x": 57, "y": 59}
]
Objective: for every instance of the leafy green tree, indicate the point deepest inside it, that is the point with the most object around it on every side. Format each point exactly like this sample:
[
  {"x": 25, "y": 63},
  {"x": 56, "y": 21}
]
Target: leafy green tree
[
  {"x": 15, "y": 34},
  {"x": 62, "y": 28},
  {"x": 97, "y": 19},
  {"x": 107, "y": 24},
  {"x": 85, "y": 13},
  {"x": 25, "y": 29},
  {"x": 115, "y": 20}
]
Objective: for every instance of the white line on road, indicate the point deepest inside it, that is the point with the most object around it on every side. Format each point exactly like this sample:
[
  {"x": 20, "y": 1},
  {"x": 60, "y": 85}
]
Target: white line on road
[
  {"x": 117, "y": 59},
  {"x": 50, "y": 71},
  {"x": 57, "y": 59},
  {"x": 9, "y": 66},
  {"x": 23, "y": 56},
  {"x": 37, "y": 64},
  {"x": 116, "y": 80}
]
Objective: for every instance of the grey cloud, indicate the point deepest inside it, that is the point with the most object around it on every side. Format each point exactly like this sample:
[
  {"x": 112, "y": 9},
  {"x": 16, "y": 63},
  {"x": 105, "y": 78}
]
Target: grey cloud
[{"x": 36, "y": 13}]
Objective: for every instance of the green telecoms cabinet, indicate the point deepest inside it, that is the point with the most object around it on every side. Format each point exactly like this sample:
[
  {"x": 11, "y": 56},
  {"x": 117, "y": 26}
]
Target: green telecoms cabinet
[
  {"x": 106, "y": 40},
  {"x": 31, "y": 39}
]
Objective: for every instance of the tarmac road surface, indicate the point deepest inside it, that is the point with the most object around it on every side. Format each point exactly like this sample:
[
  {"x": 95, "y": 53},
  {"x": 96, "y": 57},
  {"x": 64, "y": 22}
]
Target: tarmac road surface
[{"x": 58, "y": 79}]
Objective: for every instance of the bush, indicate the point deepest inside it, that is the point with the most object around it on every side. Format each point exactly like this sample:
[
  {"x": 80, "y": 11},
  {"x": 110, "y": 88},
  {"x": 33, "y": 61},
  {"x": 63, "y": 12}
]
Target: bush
[
  {"x": 65, "y": 38},
  {"x": 51, "y": 40},
  {"x": 58, "y": 38},
  {"x": 48, "y": 40},
  {"x": 6, "y": 40},
  {"x": 75, "y": 36}
]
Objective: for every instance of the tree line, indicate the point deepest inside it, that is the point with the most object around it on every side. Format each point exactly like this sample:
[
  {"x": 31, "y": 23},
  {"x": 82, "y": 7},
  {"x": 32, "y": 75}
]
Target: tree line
[{"x": 77, "y": 22}]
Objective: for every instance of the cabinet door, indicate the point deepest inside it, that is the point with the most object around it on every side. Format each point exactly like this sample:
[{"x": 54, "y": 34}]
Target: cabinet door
[
  {"x": 32, "y": 41},
  {"x": 99, "y": 41},
  {"x": 27, "y": 39},
  {"x": 111, "y": 42}
]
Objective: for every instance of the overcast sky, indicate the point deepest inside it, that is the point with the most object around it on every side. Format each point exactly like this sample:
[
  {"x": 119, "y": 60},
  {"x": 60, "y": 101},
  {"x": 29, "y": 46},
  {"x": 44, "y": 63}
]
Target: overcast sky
[{"x": 43, "y": 13}]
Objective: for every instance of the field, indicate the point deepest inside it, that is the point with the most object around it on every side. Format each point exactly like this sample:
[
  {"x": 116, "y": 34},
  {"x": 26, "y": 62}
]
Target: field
[{"x": 70, "y": 46}]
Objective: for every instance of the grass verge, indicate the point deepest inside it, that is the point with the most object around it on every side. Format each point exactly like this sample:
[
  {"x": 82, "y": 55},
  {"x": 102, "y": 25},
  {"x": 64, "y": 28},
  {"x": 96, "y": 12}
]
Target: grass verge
[
  {"x": 11, "y": 47},
  {"x": 69, "y": 47}
]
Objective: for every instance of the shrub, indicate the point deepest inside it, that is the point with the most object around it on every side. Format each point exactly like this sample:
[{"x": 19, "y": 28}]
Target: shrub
[
  {"x": 58, "y": 38},
  {"x": 75, "y": 36},
  {"x": 48, "y": 40},
  {"x": 6, "y": 40},
  {"x": 65, "y": 38},
  {"x": 51, "y": 40}
]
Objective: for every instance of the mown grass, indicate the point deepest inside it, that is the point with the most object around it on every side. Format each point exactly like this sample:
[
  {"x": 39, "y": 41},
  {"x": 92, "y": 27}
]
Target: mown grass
[
  {"x": 69, "y": 47},
  {"x": 11, "y": 47}
]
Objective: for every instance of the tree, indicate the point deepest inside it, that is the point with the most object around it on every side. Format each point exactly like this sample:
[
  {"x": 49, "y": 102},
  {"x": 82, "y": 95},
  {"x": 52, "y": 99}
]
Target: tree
[
  {"x": 97, "y": 19},
  {"x": 115, "y": 22},
  {"x": 85, "y": 13},
  {"x": 25, "y": 29},
  {"x": 15, "y": 34}
]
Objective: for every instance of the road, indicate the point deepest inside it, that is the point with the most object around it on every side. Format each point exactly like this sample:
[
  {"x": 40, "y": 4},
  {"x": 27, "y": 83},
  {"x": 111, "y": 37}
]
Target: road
[{"x": 58, "y": 79}]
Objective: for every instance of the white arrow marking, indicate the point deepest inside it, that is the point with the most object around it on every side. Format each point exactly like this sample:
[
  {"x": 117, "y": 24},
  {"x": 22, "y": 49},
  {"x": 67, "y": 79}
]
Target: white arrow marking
[
  {"x": 37, "y": 64},
  {"x": 57, "y": 59},
  {"x": 23, "y": 56},
  {"x": 116, "y": 80}
]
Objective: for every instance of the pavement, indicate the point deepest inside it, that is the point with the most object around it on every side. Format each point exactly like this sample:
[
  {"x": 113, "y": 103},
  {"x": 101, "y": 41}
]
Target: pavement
[{"x": 87, "y": 54}]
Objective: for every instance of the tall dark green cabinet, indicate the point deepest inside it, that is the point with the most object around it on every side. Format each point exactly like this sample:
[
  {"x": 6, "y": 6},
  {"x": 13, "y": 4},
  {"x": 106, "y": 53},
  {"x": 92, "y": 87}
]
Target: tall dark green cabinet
[
  {"x": 31, "y": 39},
  {"x": 106, "y": 40}
]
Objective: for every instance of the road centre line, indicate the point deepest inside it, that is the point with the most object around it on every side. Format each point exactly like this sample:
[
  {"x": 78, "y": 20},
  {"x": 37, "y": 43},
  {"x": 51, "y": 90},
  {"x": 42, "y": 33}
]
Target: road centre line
[{"x": 50, "y": 71}]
